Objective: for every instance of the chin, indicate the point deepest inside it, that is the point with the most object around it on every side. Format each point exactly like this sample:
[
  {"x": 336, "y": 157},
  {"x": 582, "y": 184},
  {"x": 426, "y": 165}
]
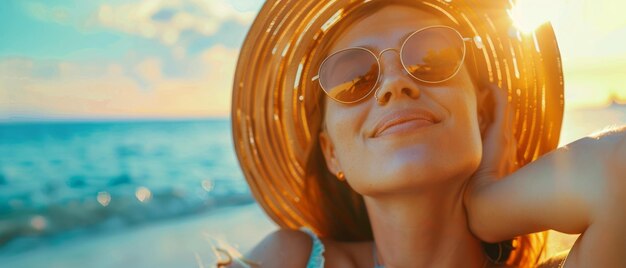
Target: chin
[
  {"x": 414, "y": 171},
  {"x": 397, "y": 177}
]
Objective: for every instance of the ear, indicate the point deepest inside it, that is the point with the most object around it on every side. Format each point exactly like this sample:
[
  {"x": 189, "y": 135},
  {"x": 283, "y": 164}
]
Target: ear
[
  {"x": 328, "y": 149},
  {"x": 484, "y": 105}
]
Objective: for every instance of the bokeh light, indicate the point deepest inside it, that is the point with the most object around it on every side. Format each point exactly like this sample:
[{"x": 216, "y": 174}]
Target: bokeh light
[
  {"x": 143, "y": 194},
  {"x": 104, "y": 198}
]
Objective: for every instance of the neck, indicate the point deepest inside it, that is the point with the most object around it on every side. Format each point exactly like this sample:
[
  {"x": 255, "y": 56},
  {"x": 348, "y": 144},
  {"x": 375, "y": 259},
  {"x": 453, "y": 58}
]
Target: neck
[{"x": 424, "y": 229}]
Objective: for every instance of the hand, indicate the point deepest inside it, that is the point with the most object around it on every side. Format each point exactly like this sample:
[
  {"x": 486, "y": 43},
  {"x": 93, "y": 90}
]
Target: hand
[{"x": 499, "y": 145}]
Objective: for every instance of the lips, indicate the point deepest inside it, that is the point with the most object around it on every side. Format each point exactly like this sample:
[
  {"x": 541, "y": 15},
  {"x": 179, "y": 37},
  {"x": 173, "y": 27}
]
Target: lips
[{"x": 403, "y": 119}]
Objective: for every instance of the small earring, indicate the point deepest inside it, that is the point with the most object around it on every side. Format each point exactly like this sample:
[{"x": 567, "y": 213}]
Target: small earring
[{"x": 341, "y": 176}]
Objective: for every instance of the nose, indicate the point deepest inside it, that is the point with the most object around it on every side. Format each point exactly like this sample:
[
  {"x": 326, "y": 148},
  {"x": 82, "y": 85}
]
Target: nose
[{"x": 395, "y": 83}]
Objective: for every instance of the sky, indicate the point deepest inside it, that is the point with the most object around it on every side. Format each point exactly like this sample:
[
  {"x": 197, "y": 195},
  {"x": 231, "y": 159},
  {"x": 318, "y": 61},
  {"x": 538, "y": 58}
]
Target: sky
[{"x": 176, "y": 59}]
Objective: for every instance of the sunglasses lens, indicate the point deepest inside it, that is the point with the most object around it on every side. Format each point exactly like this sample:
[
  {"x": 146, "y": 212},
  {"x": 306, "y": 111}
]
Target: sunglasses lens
[
  {"x": 434, "y": 54},
  {"x": 349, "y": 75}
]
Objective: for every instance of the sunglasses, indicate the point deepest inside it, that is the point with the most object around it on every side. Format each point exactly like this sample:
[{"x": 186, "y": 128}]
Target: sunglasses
[{"x": 434, "y": 54}]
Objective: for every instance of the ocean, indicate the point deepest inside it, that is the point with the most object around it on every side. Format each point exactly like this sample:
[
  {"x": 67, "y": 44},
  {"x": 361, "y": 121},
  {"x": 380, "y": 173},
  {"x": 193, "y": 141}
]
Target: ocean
[{"x": 59, "y": 179}]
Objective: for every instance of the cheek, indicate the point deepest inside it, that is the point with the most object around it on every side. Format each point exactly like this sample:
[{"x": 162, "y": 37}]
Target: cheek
[
  {"x": 459, "y": 148},
  {"x": 345, "y": 128},
  {"x": 465, "y": 136}
]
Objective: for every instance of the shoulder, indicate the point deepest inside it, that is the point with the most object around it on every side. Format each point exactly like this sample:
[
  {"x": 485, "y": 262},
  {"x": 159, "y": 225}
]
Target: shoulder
[
  {"x": 282, "y": 248},
  {"x": 293, "y": 248}
]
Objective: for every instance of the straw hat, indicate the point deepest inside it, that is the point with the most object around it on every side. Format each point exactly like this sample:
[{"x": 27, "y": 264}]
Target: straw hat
[{"x": 276, "y": 113}]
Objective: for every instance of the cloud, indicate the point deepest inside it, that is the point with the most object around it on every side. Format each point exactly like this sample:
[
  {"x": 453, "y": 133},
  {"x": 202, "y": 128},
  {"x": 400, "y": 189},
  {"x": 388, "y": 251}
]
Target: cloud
[
  {"x": 88, "y": 89},
  {"x": 166, "y": 21},
  {"x": 148, "y": 72},
  {"x": 208, "y": 93},
  {"x": 43, "y": 12},
  {"x": 222, "y": 61},
  {"x": 15, "y": 68},
  {"x": 78, "y": 14}
]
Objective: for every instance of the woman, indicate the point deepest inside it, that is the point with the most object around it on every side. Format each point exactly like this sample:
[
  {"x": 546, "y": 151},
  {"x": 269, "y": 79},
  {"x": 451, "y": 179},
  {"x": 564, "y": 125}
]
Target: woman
[{"x": 377, "y": 127}]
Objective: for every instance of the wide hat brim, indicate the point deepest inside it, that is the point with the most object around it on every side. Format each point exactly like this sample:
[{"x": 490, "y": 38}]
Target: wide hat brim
[{"x": 275, "y": 116}]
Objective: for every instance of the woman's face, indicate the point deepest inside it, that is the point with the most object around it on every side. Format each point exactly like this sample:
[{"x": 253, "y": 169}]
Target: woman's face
[{"x": 407, "y": 155}]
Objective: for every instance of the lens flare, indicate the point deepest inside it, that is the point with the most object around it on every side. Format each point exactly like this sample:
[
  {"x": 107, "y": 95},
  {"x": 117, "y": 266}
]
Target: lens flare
[{"x": 528, "y": 15}]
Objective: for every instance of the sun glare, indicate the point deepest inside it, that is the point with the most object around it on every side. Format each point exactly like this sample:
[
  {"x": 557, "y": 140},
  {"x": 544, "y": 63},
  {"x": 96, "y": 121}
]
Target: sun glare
[{"x": 528, "y": 15}]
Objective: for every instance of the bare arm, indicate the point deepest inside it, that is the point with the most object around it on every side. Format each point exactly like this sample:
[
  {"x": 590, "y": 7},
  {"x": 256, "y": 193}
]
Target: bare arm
[{"x": 578, "y": 188}]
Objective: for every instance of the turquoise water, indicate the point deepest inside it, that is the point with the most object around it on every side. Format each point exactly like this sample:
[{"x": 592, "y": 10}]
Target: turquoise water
[{"x": 63, "y": 177}]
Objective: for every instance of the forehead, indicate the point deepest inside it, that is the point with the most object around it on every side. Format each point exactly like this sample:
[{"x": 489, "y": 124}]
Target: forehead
[{"x": 385, "y": 27}]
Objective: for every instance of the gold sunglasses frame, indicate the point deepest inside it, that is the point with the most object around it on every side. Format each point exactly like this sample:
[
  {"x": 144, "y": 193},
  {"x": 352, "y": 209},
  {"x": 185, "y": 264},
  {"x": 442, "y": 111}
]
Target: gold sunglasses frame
[{"x": 477, "y": 42}]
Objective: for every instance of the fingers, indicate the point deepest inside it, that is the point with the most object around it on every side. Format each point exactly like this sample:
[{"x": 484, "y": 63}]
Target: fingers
[
  {"x": 501, "y": 131},
  {"x": 501, "y": 108},
  {"x": 509, "y": 162}
]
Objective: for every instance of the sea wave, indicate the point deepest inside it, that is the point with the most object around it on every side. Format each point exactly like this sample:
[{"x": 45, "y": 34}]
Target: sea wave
[{"x": 63, "y": 177}]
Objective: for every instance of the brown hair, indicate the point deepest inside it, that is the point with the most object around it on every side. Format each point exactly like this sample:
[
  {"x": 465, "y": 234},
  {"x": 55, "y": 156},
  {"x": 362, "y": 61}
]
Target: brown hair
[{"x": 342, "y": 214}]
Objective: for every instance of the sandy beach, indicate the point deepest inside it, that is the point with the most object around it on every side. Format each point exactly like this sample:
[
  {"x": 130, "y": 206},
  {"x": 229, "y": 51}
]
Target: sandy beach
[{"x": 184, "y": 242}]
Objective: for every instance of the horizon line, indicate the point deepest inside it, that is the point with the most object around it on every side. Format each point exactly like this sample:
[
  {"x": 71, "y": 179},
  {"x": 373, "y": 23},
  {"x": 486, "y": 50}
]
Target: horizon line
[{"x": 31, "y": 119}]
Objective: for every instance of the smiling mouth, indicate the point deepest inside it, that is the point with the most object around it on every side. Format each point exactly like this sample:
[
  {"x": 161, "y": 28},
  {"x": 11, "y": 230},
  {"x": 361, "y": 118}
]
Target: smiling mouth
[{"x": 403, "y": 126}]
